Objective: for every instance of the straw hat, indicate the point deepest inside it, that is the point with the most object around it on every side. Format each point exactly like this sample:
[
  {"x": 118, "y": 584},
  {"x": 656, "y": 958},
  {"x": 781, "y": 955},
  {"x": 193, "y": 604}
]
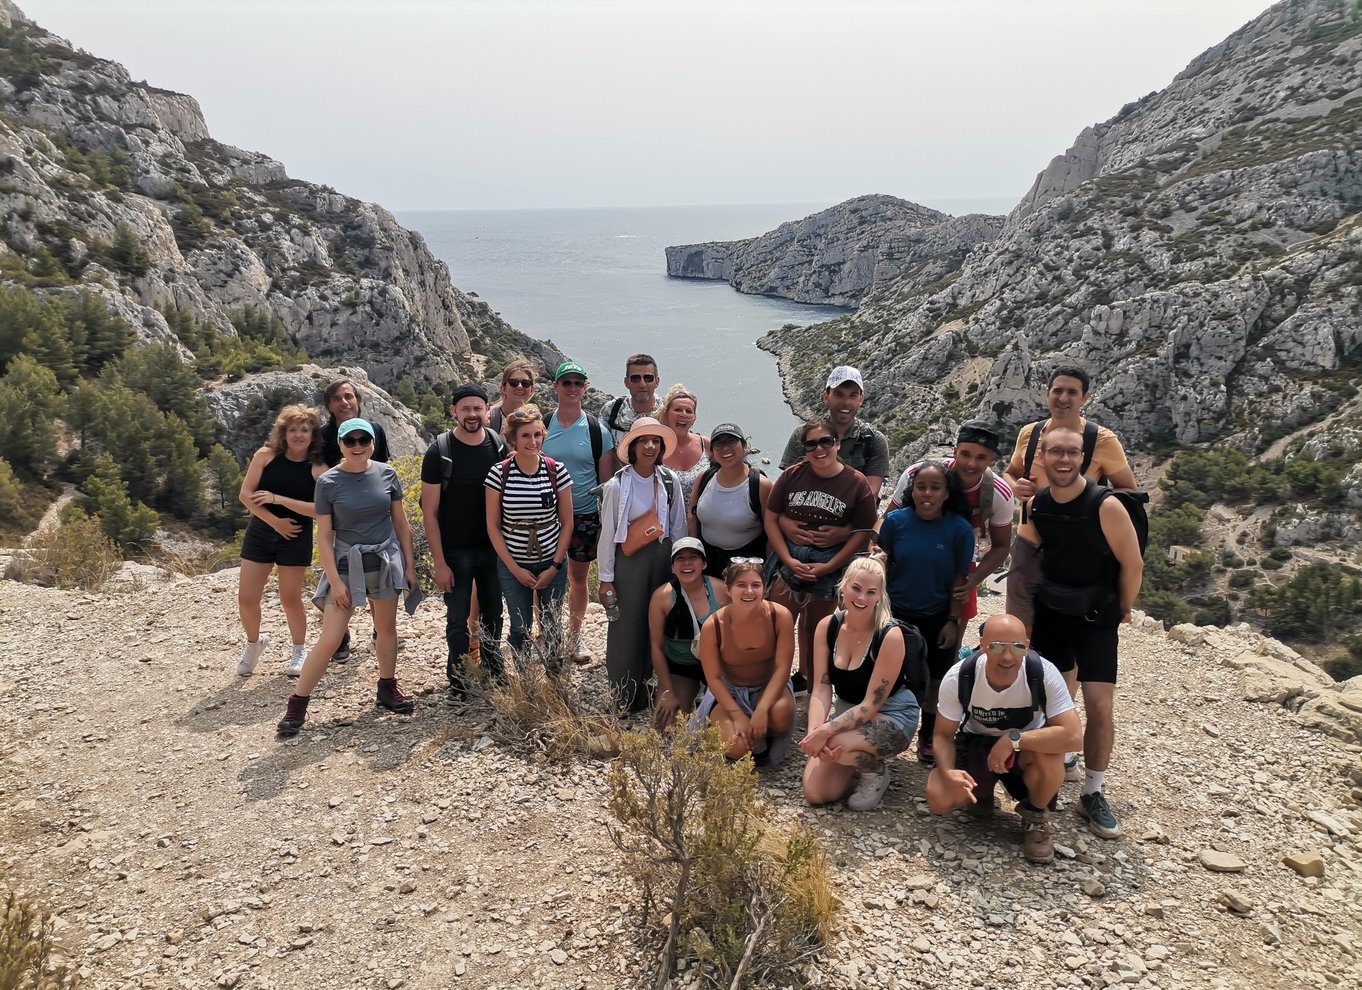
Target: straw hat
[{"x": 646, "y": 426}]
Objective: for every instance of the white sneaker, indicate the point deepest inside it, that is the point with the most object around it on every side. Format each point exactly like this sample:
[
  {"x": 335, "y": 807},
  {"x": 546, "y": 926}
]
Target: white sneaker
[
  {"x": 580, "y": 654},
  {"x": 295, "y": 662},
  {"x": 1072, "y": 771},
  {"x": 250, "y": 656},
  {"x": 869, "y": 790}
]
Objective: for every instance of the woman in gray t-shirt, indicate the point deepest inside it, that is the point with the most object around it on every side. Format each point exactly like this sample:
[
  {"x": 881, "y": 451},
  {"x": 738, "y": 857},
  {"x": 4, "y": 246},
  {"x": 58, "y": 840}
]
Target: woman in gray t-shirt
[{"x": 364, "y": 541}]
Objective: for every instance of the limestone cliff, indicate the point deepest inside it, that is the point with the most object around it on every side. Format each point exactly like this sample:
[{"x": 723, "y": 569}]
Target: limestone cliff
[
  {"x": 119, "y": 186},
  {"x": 1200, "y": 253},
  {"x": 841, "y": 254}
]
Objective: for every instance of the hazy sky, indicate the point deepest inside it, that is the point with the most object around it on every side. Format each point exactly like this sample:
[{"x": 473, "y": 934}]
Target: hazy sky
[{"x": 516, "y": 103}]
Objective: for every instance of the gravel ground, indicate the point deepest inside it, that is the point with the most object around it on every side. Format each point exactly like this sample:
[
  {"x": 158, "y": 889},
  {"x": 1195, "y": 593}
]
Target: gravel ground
[{"x": 148, "y": 804}]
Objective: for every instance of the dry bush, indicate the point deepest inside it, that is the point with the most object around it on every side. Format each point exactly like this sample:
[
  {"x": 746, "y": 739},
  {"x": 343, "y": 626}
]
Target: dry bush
[
  {"x": 195, "y": 561},
  {"x": 76, "y": 554},
  {"x": 27, "y": 950},
  {"x": 724, "y": 884}
]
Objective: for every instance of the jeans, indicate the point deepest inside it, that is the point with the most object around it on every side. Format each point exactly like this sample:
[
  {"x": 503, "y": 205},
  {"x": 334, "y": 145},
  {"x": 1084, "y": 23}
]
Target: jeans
[
  {"x": 473, "y": 564},
  {"x": 520, "y": 605}
]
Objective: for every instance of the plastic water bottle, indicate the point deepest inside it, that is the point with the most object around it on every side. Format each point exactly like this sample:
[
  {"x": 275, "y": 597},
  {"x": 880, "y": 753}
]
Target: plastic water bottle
[{"x": 612, "y": 606}]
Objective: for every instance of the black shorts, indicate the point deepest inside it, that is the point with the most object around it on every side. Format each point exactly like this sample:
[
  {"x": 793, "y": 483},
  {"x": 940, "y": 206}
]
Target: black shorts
[
  {"x": 586, "y": 532},
  {"x": 693, "y": 672},
  {"x": 262, "y": 545},
  {"x": 1071, "y": 641},
  {"x": 940, "y": 659},
  {"x": 717, "y": 559},
  {"x": 971, "y": 756}
]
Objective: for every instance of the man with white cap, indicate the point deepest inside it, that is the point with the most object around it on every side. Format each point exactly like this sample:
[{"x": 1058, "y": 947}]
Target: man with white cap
[{"x": 862, "y": 446}]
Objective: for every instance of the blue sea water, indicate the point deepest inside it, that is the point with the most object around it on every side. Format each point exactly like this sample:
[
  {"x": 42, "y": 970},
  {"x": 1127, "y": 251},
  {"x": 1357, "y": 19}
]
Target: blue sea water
[{"x": 594, "y": 282}]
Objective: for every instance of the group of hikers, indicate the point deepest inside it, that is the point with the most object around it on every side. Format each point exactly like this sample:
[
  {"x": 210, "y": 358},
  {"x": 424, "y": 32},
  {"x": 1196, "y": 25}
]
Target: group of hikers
[{"x": 715, "y": 578}]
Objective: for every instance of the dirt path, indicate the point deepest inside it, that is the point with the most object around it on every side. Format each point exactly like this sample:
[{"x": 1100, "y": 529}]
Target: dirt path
[{"x": 53, "y": 514}]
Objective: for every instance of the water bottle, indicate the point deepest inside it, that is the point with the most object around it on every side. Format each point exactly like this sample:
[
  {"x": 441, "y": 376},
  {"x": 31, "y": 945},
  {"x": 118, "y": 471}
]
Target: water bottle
[{"x": 612, "y": 606}]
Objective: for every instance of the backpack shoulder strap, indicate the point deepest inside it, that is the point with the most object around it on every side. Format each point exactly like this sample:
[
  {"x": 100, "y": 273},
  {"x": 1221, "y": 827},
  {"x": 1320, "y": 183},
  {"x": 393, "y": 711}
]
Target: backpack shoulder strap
[
  {"x": 986, "y": 493},
  {"x": 553, "y": 472},
  {"x": 706, "y": 476},
  {"x": 443, "y": 445},
  {"x": 593, "y": 426},
  {"x": 754, "y": 492},
  {"x": 613, "y": 412},
  {"x": 499, "y": 443},
  {"x": 668, "y": 482},
  {"x": 1089, "y": 445},
  {"x": 1031, "y": 447},
  {"x": 1035, "y": 679},
  {"x": 968, "y": 668}
]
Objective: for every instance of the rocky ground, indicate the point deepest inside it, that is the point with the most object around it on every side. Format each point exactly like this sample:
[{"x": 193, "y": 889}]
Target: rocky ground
[{"x": 147, "y": 803}]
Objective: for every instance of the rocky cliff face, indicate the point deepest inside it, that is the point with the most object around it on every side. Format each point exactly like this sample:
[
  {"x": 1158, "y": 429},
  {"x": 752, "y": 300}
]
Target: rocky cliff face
[
  {"x": 1200, "y": 253},
  {"x": 841, "y": 254},
  {"x": 97, "y": 168}
]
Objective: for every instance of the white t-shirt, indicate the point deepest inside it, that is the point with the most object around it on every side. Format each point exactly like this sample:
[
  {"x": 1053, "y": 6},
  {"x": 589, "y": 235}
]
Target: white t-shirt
[
  {"x": 1004, "y": 503},
  {"x": 993, "y": 713}
]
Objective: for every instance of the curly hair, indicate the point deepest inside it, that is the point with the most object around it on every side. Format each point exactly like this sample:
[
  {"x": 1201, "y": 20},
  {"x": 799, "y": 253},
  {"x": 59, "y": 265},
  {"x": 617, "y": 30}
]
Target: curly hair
[
  {"x": 289, "y": 415},
  {"x": 955, "y": 492}
]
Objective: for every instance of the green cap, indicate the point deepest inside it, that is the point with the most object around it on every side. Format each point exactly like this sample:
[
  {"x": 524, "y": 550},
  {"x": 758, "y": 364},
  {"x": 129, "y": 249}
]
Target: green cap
[{"x": 569, "y": 368}]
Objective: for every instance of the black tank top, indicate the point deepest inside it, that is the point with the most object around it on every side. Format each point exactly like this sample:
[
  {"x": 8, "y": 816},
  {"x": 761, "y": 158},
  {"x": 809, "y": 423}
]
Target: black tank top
[
  {"x": 291, "y": 479},
  {"x": 1074, "y": 551},
  {"x": 851, "y": 685}
]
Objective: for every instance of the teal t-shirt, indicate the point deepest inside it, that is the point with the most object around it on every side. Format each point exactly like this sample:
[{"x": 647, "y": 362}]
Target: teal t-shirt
[{"x": 570, "y": 446}]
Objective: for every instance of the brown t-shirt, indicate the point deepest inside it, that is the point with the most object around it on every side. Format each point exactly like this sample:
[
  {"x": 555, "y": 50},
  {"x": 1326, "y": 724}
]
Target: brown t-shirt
[{"x": 837, "y": 501}]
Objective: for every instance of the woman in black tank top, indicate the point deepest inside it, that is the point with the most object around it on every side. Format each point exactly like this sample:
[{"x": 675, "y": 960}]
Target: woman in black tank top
[{"x": 277, "y": 491}]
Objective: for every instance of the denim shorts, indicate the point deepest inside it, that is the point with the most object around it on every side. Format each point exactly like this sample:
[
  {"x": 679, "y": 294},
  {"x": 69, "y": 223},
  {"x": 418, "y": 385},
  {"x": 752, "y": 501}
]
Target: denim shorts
[{"x": 900, "y": 708}]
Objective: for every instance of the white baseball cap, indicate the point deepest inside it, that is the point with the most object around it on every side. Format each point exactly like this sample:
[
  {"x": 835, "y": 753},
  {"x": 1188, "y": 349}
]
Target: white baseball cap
[{"x": 843, "y": 374}]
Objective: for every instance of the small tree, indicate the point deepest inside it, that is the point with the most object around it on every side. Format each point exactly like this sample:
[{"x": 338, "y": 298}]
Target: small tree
[
  {"x": 129, "y": 524},
  {"x": 30, "y": 403}
]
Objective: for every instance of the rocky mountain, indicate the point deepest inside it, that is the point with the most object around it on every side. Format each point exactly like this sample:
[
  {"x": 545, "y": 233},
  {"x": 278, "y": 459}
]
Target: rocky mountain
[
  {"x": 840, "y": 255},
  {"x": 118, "y": 186},
  {"x": 1200, "y": 252}
]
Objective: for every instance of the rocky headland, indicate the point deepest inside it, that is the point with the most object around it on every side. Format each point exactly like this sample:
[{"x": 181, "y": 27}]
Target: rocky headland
[{"x": 840, "y": 255}]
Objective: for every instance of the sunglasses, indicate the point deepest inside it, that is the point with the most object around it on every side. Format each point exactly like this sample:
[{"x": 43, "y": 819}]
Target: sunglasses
[
  {"x": 645, "y": 379},
  {"x": 746, "y": 560},
  {"x": 520, "y": 382},
  {"x": 820, "y": 442},
  {"x": 357, "y": 440},
  {"x": 998, "y": 646},
  {"x": 572, "y": 382}
]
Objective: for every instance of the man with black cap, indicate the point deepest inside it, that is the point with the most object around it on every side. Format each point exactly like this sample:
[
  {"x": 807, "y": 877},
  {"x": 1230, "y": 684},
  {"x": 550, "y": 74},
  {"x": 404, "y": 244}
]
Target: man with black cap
[
  {"x": 454, "y": 510},
  {"x": 862, "y": 446}
]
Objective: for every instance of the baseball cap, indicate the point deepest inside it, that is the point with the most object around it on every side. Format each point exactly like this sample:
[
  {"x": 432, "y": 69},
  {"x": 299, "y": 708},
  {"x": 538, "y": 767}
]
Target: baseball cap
[
  {"x": 727, "y": 430},
  {"x": 977, "y": 431},
  {"x": 355, "y": 426},
  {"x": 569, "y": 368},
  {"x": 843, "y": 374},
  {"x": 688, "y": 543}
]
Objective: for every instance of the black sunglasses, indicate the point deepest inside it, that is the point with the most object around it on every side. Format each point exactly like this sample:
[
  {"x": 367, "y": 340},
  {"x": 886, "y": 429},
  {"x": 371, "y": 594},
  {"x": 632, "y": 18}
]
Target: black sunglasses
[
  {"x": 572, "y": 382},
  {"x": 820, "y": 442},
  {"x": 520, "y": 382},
  {"x": 646, "y": 379},
  {"x": 357, "y": 440}
]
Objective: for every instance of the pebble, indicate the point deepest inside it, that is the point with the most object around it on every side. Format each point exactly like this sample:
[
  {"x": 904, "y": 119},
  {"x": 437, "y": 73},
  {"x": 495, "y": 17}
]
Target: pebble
[
  {"x": 1237, "y": 902},
  {"x": 1306, "y": 864},
  {"x": 558, "y": 956},
  {"x": 1221, "y": 862},
  {"x": 1093, "y": 887}
]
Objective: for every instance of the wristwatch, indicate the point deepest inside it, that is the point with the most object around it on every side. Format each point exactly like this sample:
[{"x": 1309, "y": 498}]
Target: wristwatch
[{"x": 1015, "y": 736}]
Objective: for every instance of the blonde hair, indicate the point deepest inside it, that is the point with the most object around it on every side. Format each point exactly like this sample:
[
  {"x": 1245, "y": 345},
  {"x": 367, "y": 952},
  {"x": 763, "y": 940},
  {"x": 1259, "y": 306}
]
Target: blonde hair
[
  {"x": 296, "y": 414},
  {"x": 677, "y": 391},
  {"x": 873, "y": 566},
  {"x": 525, "y": 415}
]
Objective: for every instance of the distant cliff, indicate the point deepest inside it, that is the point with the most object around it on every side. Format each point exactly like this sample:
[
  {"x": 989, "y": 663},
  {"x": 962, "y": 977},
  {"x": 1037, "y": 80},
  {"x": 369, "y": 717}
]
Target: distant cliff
[{"x": 841, "y": 254}]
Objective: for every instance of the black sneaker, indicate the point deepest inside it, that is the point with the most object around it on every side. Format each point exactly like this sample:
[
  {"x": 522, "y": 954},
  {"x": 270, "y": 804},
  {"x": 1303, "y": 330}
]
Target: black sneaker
[
  {"x": 1101, "y": 821},
  {"x": 394, "y": 700},
  {"x": 799, "y": 685},
  {"x": 342, "y": 653}
]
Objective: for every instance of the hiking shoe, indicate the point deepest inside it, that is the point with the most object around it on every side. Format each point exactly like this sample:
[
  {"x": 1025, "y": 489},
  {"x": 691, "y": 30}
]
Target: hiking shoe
[
  {"x": 250, "y": 656},
  {"x": 1073, "y": 773},
  {"x": 926, "y": 755},
  {"x": 799, "y": 684},
  {"x": 391, "y": 698},
  {"x": 870, "y": 790},
  {"x": 983, "y": 806},
  {"x": 342, "y": 653},
  {"x": 294, "y": 717},
  {"x": 295, "y": 660},
  {"x": 1101, "y": 821},
  {"x": 580, "y": 654},
  {"x": 474, "y": 651},
  {"x": 1038, "y": 846}
]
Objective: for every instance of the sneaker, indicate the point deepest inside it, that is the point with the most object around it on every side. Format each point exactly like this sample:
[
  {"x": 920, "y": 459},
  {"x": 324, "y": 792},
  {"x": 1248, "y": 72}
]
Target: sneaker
[
  {"x": 391, "y": 698},
  {"x": 250, "y": 656},
  {"x": 342, "y": 653},
  {"x": 1073, "y": 773},
  {"x": 294, "y": 717},
  {"x": 580, "y": 654},
  {"x": 799, "y": 684},
  {"x": 474, "y": 652},
  {"x": 1038, "y": 846},
  {"x": 926, "y": 755},
  {"x": 295, "y": 660},
  {"x": 1101, "y": 821},
  {"x": 870, "y": 790},
  {"x": 984, "y": 805}
]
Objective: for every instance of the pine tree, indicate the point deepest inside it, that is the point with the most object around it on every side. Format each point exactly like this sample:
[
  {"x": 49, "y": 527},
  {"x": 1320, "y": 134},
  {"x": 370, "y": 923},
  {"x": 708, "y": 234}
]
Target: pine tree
[
  {"x": 182, "y": 480},
  {"x": 30, "y": 403},
  {"x": 50, "y": 346},
  {"x": 127, "y": 254},
  {"x": 129, "y": 524},
  {"x": 224, "y": 479},
  {"x": 128, "y": 434},
  {"x": 16, "y": 510}
]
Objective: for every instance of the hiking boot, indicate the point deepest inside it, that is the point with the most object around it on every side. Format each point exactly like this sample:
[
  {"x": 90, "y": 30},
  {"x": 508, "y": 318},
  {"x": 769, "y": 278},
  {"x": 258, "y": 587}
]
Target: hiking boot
[
  {"x": 1073, "y": 773},
  {"x": 580, "y": 654},
  {"x": 926, "y": 755},
  {"x": 342, "y": 653},
  {"x": 391, "y": 698},
  {"x": 799, "y": 684},
  {"x": 984, "y": 805},
  {"x": 294, "y": 716},
  {"x": 870, "y": 789},
  {"x": 1101, "y": 821},
  {"x": 295, "y": 661},
  {"x": 474, "y": 651},
  {"x": 1038, "y": 846},
  {"x": 250, "y": 656}
]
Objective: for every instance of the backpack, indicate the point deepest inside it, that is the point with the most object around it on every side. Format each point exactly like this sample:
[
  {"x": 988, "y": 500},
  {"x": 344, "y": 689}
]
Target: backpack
[
  {"x": 506, "y": 474},
  {"x": 665, "y": 473},
  {"x": 593, "y": 426},
  {"x": 612, "y": 422},
  {"x": 753, "y": 492},
  {"x": 1133, "y": 502},
  {"x": 444, "y": 444},
  {"x": 1089, "y": 446},
  {"x": 1035, "y": 680},
  {"x": 914, "y": 674}
]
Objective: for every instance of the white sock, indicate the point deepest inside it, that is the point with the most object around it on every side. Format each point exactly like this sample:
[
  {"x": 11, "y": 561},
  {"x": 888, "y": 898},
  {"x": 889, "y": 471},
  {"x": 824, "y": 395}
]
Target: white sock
[{"x": 1093, "y": 780}]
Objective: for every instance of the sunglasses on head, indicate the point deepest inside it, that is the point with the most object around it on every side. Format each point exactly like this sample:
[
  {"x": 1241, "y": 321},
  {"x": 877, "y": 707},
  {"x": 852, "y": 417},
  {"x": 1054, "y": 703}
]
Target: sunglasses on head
[
  {"x": 572, "y": 382},
  {"x": 820, "y": 442},
  {"x": 746, "y": 560},
  {"x": 357, "y": 440},
  {"x": 520, "y": 382},
  {"x": 646, "y": 379}
]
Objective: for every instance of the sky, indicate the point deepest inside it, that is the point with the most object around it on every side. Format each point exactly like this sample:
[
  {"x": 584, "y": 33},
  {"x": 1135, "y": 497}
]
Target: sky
[{"x": 504, "y": 104}]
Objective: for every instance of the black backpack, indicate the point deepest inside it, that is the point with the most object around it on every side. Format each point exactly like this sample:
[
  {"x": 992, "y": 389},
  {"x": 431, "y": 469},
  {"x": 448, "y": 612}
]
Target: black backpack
[
  {"x": 593, "y": 426},
  {"x": 914, "y": 674},
  {"x": 443, "y": 444},
  {"x": 1035, "y": 680},
  {"x": 1133, "y": 502}
]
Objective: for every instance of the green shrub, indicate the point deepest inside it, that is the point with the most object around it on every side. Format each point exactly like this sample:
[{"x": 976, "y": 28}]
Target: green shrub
[
  {"x": 17, "y": 508},
  {"x": 1244, "y": 579},
  {"x": 75, "y": 554},
  {"x": 129, "y": 524}
]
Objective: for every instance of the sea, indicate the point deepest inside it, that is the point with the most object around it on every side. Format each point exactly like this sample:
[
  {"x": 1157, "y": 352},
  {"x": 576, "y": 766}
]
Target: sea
[{"x": 594, "y": 282}]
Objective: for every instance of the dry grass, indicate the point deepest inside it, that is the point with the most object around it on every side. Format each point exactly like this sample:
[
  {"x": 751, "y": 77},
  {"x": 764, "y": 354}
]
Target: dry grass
[
  {"x": 28, "y": 950},
  {"x": 75, "y": 554}
]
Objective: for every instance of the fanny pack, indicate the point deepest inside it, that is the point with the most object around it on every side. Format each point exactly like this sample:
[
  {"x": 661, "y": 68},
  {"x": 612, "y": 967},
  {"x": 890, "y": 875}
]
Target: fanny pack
[
  {"x": 642, "y": 531},
  {"x": 1080, "y": 601}
]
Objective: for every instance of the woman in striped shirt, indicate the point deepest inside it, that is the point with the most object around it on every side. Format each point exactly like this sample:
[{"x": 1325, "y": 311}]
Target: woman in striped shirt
[{"x": 529, "y": 519}]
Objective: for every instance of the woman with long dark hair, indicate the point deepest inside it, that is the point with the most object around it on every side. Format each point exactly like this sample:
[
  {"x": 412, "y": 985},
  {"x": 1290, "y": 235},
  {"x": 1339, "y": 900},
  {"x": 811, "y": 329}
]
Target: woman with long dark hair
[{"x": 676, "y": 614}]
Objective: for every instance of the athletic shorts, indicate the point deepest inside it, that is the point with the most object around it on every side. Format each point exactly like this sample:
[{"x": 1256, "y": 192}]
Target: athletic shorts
[
  {"x": 262, "y": 545},
  {"x": 690, "y": 671},
  {"x": 900, "y": 709},
  {"x": 586, "y": 533},
  {"x": 1071, "y": 641}
]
